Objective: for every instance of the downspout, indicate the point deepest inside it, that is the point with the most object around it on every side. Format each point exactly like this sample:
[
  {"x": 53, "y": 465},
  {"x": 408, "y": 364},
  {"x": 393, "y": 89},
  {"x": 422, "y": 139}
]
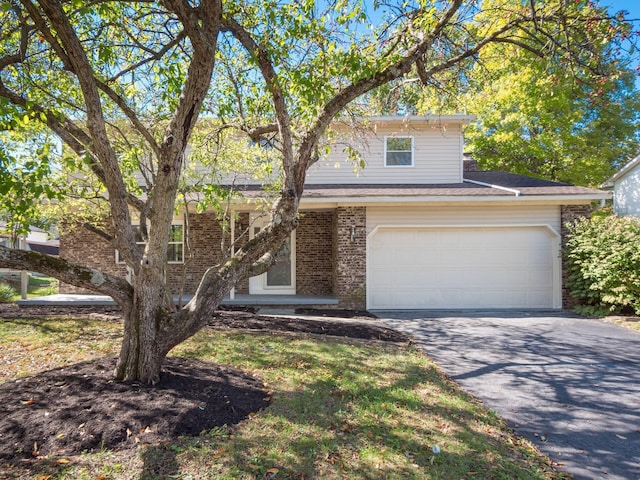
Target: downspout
[{"x": 498, "y": 187}]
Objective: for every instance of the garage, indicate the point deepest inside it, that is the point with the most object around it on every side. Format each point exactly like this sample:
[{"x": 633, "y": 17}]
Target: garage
[{"x": 463, "y": 267}]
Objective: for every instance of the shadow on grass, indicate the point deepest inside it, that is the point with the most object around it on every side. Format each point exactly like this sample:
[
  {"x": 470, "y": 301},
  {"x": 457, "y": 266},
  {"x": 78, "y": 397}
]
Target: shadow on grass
[
  {"x": 339, "y": 409},
  {"x": 370, "y": 413},
  {"x": 158, "y": 462}
]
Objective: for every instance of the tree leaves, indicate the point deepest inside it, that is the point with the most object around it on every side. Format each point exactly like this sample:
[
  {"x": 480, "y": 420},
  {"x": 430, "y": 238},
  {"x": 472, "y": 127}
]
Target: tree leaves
[{"x": 603, "y": 261}]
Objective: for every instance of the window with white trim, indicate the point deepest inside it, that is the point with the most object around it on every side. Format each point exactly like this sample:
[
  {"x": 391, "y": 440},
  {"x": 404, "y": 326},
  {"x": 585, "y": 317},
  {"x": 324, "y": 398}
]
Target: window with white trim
[
  {"x": 398, "y": 151},
  {"x": 175, "y": 249}
]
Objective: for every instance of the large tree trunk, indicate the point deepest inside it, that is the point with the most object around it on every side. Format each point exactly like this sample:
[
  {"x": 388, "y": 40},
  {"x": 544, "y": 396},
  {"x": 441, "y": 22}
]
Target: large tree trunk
[
  {"x": 141, "y": 355},
  {"x": 145, "y": 325}
]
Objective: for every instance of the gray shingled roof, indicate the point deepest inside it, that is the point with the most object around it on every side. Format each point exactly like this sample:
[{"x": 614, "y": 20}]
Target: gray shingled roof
[{"x": 527, "y": 186}]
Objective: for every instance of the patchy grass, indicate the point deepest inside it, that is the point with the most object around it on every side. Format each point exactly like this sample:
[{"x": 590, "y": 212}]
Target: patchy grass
[
  {"x": 37, "y": 287},
  {"x": 340, "y": 409},
  {"x": 626, "y": 321},
  {"x": 29, "y": 346}
]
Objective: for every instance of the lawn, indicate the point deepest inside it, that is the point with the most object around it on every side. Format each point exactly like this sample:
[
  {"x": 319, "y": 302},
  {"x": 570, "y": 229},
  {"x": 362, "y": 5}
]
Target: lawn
[
  {"x": 340, "y": 409},
  {"x": 632, "y": 322},
  {"x": 38, "y": 286}
]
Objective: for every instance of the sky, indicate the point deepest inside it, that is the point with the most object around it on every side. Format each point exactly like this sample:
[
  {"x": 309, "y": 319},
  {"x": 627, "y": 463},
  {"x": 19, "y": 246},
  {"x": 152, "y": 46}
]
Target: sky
[
  {"x": 633, "y": 9},
  {"x": 632, "y": 6}
]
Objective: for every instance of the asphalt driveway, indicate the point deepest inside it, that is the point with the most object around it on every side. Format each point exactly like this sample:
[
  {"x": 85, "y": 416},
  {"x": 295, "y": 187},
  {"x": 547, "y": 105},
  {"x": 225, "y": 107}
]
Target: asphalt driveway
[{"x": 570, "y": 385}]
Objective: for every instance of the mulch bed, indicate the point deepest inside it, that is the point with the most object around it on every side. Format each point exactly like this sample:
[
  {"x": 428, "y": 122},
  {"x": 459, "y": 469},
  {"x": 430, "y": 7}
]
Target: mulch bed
[{"x": 81, "y": 408}]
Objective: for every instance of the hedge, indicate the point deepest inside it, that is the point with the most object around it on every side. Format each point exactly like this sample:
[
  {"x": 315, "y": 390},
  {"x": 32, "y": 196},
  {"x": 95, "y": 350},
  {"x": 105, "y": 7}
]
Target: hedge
[{"x": 603, "y": 261}]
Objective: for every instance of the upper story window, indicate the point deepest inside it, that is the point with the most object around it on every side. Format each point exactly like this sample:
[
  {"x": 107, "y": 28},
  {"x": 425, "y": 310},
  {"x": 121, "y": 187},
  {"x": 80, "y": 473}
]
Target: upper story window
[
  {"x": 398, "y": 151},
  {"x": 175, "y": 250}
]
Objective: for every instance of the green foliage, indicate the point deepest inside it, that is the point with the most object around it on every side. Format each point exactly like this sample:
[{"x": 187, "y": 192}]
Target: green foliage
[
  {"x": 603, "y": 262},
  {"x": 563, "y": 125},
  {"x": 541, "y": 115},
  {"x": 7, "y": 293}
]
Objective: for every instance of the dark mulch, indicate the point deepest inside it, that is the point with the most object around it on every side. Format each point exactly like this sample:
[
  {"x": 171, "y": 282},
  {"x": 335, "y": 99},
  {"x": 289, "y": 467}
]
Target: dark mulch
[
  {"x": 78, "y": 408},
  {"x": 349, "y": 329}
]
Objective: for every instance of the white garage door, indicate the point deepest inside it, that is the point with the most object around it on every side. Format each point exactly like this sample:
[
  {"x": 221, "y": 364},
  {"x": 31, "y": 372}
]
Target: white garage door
[{"x": 462, "y": 267}]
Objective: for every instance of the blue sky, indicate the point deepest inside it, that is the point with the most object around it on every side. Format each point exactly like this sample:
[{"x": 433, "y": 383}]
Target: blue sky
[{"x": 633, "y": 7}]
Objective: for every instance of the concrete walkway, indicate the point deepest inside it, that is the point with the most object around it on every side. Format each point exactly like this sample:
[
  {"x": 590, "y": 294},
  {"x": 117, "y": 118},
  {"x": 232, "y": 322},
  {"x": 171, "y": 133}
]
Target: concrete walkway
[{"x": 568, "y": 384}]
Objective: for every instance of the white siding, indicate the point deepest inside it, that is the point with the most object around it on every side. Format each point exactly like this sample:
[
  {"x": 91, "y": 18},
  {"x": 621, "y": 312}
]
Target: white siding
[
  {"x": 468, "y": 215},
  {"x": 627, "y": 194},
  {"x": 437, "y": 158}
]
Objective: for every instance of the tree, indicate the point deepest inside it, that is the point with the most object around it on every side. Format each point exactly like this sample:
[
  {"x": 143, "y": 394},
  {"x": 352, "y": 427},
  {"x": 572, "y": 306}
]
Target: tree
[
  {"x": 556, "y": 125},
  {"x": 565, "y": 121},
  {"x": 107, "y": 77}
]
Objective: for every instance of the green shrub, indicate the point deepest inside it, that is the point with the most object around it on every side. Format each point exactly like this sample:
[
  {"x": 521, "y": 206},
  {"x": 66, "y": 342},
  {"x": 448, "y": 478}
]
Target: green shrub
[
  {"x": 603, "y": 261},
  {"x": 7, "y": 293}
]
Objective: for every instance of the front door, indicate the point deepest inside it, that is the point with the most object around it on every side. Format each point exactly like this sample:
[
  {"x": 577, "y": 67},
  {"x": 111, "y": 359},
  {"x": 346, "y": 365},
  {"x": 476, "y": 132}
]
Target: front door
[{"x": 280, "y": 278}]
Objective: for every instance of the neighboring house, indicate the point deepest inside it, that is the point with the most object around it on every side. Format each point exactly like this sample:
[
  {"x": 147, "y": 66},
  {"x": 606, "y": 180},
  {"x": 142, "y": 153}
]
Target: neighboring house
[
  {"x": 37, "y": 240},
  {"x": 626, "y": 189},
  {"x": 412, "y": 230}
]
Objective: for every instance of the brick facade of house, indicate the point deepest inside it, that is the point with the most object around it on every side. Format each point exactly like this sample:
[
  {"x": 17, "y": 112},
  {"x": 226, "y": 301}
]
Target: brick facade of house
[
  {"x": 315, "y": 247},
  {"x": 330, "y": 253},
  {"x": 314, "y": 253}
]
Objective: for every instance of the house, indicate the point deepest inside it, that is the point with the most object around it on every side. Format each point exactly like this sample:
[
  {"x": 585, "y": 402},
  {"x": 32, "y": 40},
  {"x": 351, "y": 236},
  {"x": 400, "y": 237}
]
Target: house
[
  {"x": 37, "y": 240},
  {"x": 411, "y": 230},
  {"x": 626, "y": 189}
]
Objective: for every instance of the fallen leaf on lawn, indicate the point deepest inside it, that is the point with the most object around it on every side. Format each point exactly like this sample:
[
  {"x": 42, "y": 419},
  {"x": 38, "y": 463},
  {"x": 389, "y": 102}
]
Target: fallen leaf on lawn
[
  {"x": 271, "y": 473},
  {"x": 129, "y": 433},
  {"x": 31, "y": 401},
  {"x": 43, "y": 477},
  {"x": 253, "y": 466},
  {"x": 101, "y": 478},
  {"x": 218, "y": 453},
  {"x": 63, "y": 460}
]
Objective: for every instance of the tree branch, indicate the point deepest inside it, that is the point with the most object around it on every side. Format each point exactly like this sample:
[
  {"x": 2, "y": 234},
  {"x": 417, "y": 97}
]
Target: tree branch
[
  {"x": 277, "y": 97},
  {"x": 68, "y": 272}
]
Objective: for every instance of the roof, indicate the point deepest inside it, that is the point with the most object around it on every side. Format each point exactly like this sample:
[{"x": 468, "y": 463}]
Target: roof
[
  {"x": 609, "y": 183},
  {"x": 528, "y": 185},
  {"x": 430, "y": 118},
  {"x": 52, "y": 248},
  {"x": 476, "y": 186}
]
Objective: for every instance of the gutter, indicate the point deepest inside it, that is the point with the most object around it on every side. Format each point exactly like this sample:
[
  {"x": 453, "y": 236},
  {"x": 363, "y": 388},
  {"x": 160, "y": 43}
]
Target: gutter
[{"x": 517, "y": 193}]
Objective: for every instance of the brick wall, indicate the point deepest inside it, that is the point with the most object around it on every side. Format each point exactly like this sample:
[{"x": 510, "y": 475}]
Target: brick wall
[
  {"x": 79, "y": 245},
  {"x": 202, "y": 249},
  {"x": 351, "y": 257},
  {"x": 86, "y": 248},
  {"x": 569, "y": 214},
  {"x": 328, "y": 262},
  {"x": 314, "y": 253}
]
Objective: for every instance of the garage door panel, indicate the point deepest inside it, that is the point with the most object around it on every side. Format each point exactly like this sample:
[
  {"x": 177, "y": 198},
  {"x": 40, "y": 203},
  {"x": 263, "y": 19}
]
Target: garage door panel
[{"x": 461, "y": 267}]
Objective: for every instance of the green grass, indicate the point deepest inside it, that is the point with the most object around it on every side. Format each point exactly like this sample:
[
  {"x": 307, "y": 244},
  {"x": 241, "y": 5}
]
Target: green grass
[
  {"x": 340, "y": 409},
  {"x": 37, "y": 287}
]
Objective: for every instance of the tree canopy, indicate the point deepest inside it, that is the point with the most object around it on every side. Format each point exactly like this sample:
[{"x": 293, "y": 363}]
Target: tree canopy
[
  {"x": 547, "y": 117},
  {"x": 122, "y": 85}
]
